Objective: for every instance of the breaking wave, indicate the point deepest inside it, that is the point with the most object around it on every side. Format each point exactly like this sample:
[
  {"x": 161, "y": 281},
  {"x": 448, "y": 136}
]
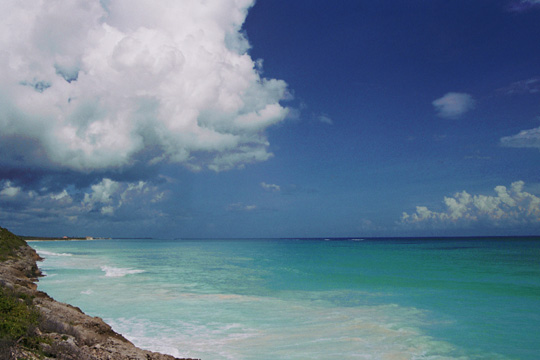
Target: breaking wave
[
  {"x": 45, "y": 253},
  {"x": 111, "y": 271}
]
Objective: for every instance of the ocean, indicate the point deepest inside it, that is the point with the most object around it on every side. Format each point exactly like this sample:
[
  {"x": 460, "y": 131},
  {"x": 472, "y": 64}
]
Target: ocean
[{"x": 257, "y": 299}]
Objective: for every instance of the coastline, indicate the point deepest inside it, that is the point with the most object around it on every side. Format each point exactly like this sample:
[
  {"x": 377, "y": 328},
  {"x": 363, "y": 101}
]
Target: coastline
[
  {"x": 37, "y": 239},
  {"x": 59, "y": 330}
]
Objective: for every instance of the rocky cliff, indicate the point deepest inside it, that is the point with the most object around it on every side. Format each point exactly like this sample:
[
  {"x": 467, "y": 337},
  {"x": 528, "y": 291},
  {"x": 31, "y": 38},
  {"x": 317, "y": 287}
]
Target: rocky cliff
[{"x": 35, "y": 326}]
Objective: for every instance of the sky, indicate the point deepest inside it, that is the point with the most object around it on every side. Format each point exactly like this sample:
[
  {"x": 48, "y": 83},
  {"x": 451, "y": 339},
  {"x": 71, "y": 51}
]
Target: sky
[{"x": 274, "y": 118}]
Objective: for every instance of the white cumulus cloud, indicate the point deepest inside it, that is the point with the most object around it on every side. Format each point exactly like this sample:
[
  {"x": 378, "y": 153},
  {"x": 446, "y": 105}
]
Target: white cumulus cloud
[
  {"x": 524, "y": 139},
  {"x": 104, "y": 198},
  {"x": 108, "y": 84},
  {"x": 325, "y": 119},
  {"x": 9, "y": 190},
  {"x": 531, "y": 86},
  {"x": 509, "y": 207},
  {"x": 241, "y": 207},
  {"x": 270, "y": 187},
  {"x": 101, "y": 193},
  {"x": 108, "y": 195},
  {"x": 453, "y": 105}
]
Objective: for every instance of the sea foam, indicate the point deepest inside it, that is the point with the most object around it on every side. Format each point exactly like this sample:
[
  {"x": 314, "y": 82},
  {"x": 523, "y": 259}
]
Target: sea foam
[
  {"x": 406, "y": 299},
  {"x": 284, "y": 330},
  {"x": 45, "y": 253},
  {"x": 111, "y": 271}
]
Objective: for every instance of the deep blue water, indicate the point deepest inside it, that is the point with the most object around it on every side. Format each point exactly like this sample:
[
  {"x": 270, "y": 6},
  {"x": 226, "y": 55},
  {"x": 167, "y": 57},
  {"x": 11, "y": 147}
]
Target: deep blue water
[{"x": 308, "y": 298}]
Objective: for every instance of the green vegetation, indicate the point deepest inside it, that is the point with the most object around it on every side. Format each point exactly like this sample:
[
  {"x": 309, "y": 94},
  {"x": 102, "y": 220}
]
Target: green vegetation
[
  {"x": 21, "y": 324},
  {"x": 9, "y": 242},
  {"x": 18, "y": 318}
]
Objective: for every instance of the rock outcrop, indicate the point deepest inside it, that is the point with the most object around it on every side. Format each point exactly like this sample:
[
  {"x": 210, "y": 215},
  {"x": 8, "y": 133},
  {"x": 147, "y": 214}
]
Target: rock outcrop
[{"x": 62, "y": 331}]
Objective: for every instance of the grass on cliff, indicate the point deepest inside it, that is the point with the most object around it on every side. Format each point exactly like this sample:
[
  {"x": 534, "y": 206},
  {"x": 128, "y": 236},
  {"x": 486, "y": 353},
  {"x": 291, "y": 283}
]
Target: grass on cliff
[
  {"x": 17, "y": 315},
  {"x": 21, "y": 323},
  {"x": 9, "y": 242},
  {"x": 18, "y": 318}
]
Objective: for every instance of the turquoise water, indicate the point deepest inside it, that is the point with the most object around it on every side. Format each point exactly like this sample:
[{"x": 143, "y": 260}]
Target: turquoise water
[{"x": 308, "y": 298}]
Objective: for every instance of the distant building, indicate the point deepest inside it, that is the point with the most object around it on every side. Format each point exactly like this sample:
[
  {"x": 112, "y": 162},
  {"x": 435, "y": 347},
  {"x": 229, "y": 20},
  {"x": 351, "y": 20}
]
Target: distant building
[{"x": 89, "y": 238}]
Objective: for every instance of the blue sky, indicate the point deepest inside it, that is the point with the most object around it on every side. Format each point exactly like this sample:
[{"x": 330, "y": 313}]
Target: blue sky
[{"x": 274, "y": 119}]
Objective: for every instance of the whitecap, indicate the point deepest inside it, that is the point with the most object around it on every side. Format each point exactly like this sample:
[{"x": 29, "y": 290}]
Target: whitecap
[
  {"x": 111, "y": 271},
  {"x": 50, "y": 253},
  {"x": 87, "y": 292}
]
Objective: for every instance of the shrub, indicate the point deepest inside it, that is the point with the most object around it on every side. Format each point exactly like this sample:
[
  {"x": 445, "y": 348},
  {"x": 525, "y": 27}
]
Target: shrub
[
  {"x": 9, "y": 242},
  {"x": 52, "y": 326},
  {"x": 18, "y": 320}
]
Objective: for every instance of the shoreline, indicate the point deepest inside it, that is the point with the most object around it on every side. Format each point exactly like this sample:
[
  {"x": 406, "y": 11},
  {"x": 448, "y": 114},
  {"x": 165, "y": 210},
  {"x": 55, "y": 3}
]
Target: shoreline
[
  {"x": 39, "y": 240},
  {"x": 60, "y": 330},
  {"x": 36, "y": 239}
]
